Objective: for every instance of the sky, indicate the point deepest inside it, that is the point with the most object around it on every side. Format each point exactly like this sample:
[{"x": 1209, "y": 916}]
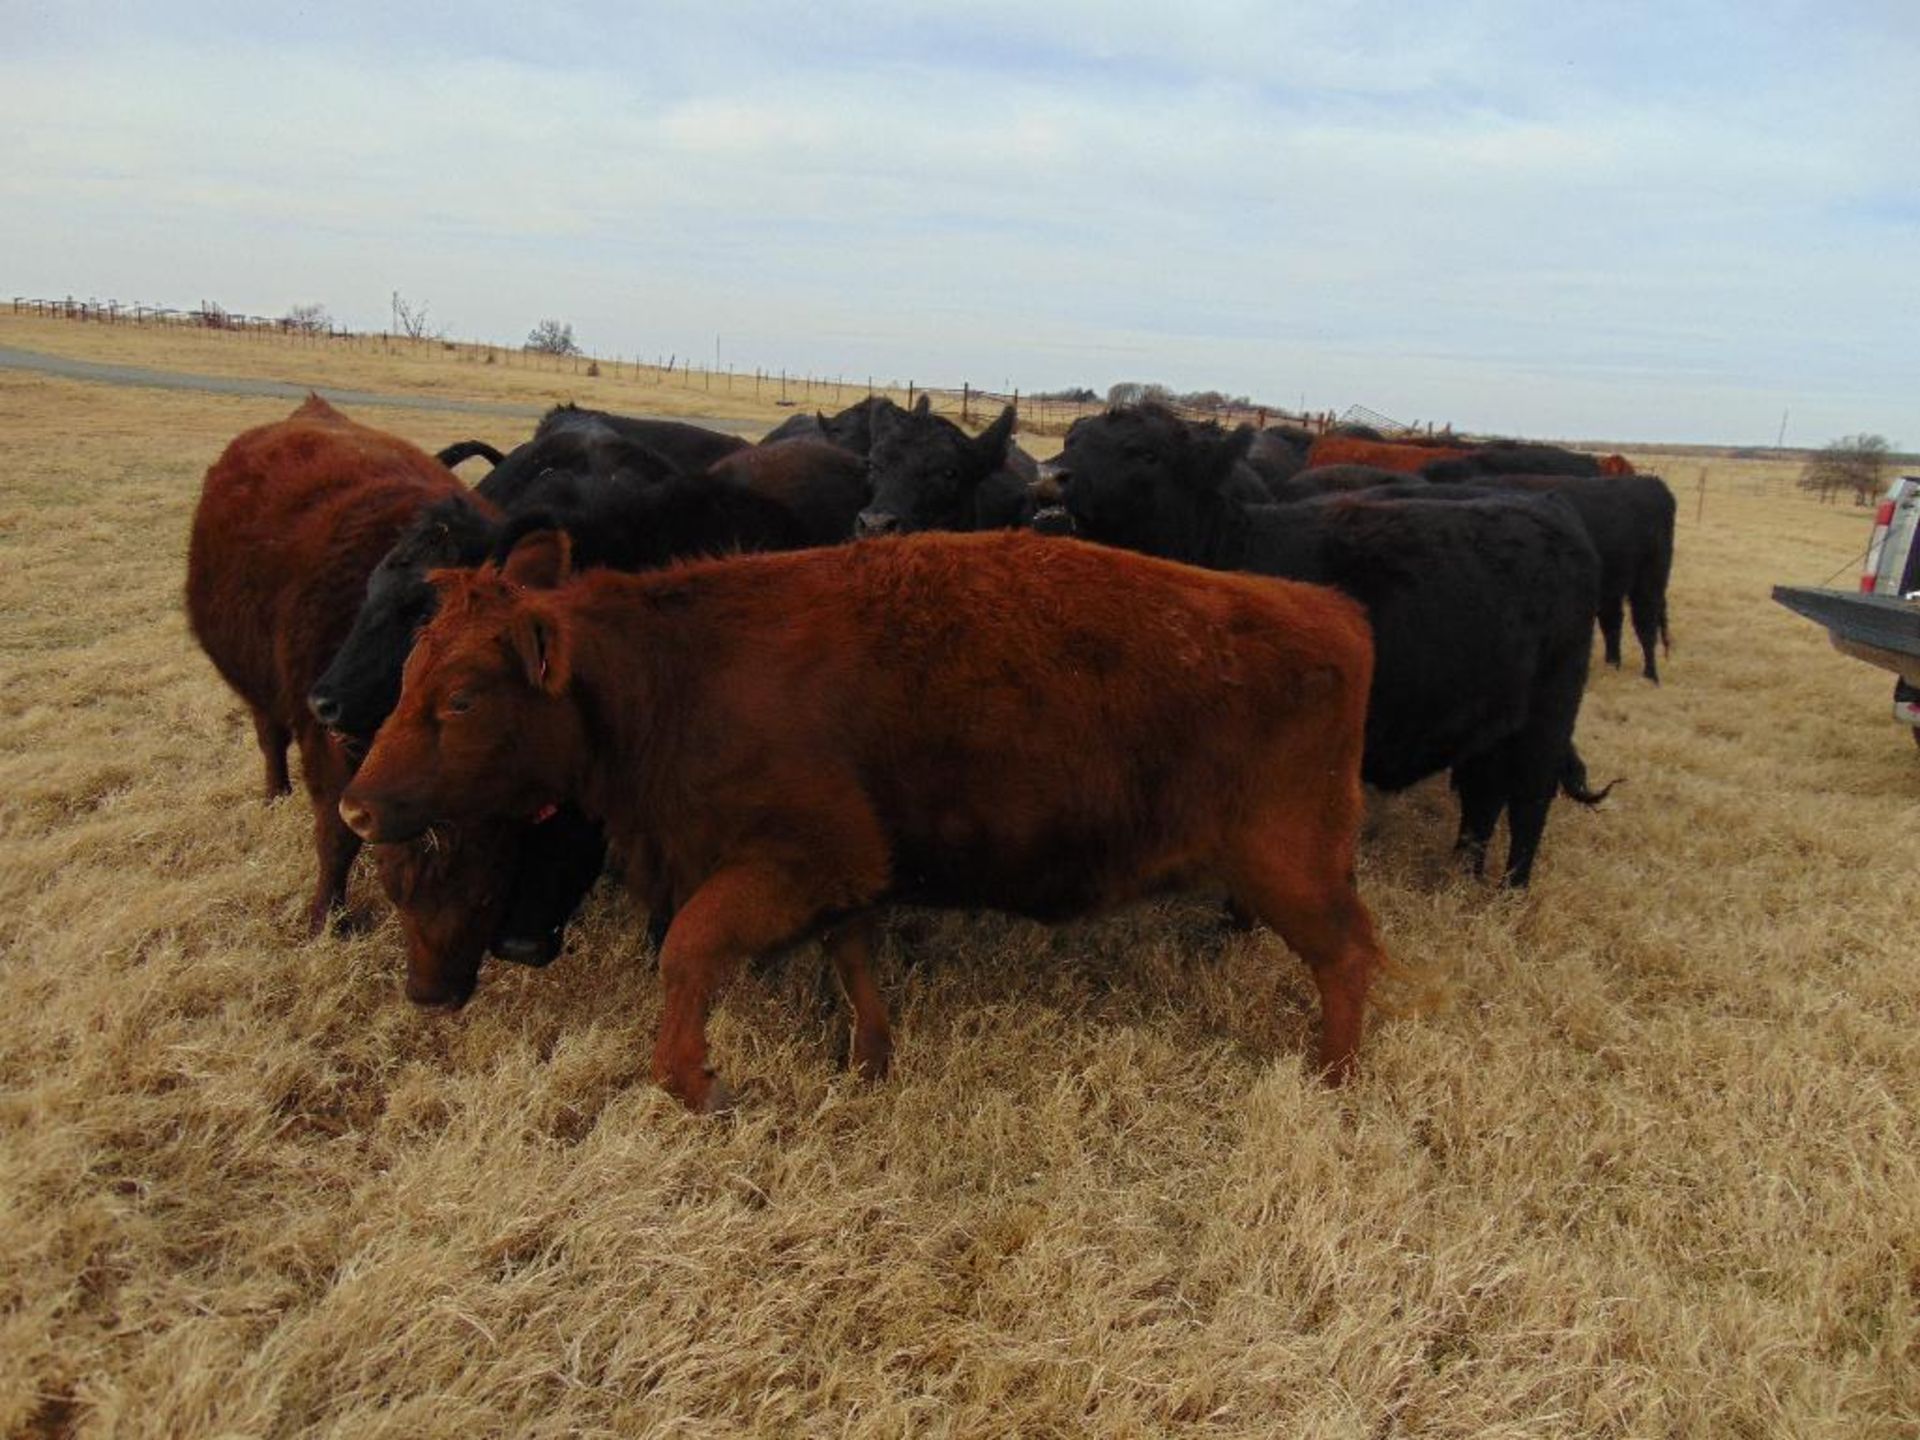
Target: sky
[{"x": 1678, "y": 221}]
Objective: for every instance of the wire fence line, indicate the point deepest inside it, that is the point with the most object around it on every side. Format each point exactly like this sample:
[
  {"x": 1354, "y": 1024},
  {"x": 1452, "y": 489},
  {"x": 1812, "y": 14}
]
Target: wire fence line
[{"x": 967, "y": 405}]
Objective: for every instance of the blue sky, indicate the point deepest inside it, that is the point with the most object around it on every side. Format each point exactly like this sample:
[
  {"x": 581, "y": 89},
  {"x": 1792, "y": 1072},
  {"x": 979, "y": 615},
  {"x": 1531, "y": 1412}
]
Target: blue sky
[{"x": 1604, "y": 221}]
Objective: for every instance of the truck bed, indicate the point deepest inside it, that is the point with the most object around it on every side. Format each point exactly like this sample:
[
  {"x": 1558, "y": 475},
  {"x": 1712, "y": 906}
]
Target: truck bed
[{"x": 1880, "y": 629}]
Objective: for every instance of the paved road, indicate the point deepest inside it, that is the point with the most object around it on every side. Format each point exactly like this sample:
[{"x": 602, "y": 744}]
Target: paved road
[{"x": 11, "y": 359}]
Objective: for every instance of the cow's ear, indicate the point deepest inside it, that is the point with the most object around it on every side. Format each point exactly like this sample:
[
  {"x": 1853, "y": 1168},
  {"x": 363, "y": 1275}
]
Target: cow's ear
[
  {"x": 991, "y": 445},
  {"x": 1230, "y": 450},
  {"x": 924, "y": 405},
  {"x": 540, "y": 560},
  {"x": 544, "y": 647}
]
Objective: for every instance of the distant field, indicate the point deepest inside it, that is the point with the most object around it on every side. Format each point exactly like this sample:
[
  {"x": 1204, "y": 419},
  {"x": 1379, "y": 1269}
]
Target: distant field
[{"x": 1637, "y": 1154}]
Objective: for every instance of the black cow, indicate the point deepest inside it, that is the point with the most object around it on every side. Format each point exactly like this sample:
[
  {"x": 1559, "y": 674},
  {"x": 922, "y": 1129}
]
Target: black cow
[
  {"x": 851, "y": 429},
  {"x": 1519, "y": 457},
  {"x": 1332, "y": 480},
  {"x": 797, "y": 427},
  {"x": 615, "y": 519},
  {"x": 584, "y": 449},
  {"x": 1481, "y": 608},
  {"x": 1630, "y": 519},
  {"x": 687, "y": 447},
  {"x": 929, "y": 474},
  {"x": 1278, "y": 454}
]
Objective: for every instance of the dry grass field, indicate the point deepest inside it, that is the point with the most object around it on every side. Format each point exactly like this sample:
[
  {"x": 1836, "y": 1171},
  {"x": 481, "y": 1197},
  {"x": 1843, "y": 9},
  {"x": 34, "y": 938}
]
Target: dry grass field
[
  {"x": 431, "y": 370},
  {"x": 1637, "y": 1154}
]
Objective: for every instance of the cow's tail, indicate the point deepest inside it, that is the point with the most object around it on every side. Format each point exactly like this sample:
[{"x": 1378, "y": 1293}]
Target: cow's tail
[
  {"x": 466, "y": 450},
  {"x": 1573, "y": 781}
]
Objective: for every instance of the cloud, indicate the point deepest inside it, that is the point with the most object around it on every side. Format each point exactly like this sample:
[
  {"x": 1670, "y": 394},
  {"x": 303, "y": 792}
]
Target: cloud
[{"x": 1611, "y": 221}]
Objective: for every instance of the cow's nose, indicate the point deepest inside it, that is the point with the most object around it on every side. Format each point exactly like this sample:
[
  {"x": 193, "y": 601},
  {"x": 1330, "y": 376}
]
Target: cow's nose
[
  {"x": 326, "y": 709},
  {"x": 875, "y": 522},
  {"x": 1054, "y": 520},
  {"x": 358, "y": 817}
]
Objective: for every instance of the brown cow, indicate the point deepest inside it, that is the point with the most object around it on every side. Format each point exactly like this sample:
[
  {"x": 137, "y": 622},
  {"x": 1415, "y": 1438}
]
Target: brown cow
[
  {"x": 1332, "y": 449},
  {"x": 1616, "y": 465},
  {"x": 824, "y": 486},
  {"x": 292, "y": 518},
  {"x": 792, "y": 739}
]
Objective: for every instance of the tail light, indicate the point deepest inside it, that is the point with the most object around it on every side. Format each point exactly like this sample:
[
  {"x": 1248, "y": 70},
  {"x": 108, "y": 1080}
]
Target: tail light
[{"x": 1882, "y": 522}]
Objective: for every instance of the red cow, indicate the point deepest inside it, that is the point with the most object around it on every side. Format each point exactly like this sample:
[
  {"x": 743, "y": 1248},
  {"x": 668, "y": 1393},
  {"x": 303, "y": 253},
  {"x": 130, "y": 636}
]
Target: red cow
[
  {"x": 1616, "y": 465},
  {"x": 1381, "y": 454},
  {"x": 998, "y": 720},
  {"x": 292, "y": 518}
]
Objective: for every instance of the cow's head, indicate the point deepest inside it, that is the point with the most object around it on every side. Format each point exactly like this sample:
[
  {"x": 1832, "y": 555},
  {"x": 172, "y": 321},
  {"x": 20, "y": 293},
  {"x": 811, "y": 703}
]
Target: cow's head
[
  {"x": 359, "y": 688},
  {"x": 1130, "y": 474},
  {"x": 485, "y": 727},
  {"x": 852, "y": 428},
  {"x": 449, "y": 885},
  {"x": 503, "y": 886},
  {"x": 926, "y": 470}
]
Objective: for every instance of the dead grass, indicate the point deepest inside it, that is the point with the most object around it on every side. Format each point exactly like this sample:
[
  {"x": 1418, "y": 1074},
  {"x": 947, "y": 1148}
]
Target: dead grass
[
  {"x": 1648, "y": 1167},
  {"x": 434, "y": 370}
]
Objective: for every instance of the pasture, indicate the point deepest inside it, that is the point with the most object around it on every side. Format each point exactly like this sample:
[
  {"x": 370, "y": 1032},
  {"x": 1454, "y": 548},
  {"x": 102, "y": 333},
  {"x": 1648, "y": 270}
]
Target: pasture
[{"x": 1637, "y": 1153}]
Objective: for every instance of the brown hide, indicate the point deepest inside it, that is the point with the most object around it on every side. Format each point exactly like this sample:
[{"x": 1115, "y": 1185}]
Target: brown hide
[
  {"x": 1347, "y": 450},
  {"x": 292, "y": 518},
  {"x": 823, "y": 485},
  {"x": 998, "y": 720}
]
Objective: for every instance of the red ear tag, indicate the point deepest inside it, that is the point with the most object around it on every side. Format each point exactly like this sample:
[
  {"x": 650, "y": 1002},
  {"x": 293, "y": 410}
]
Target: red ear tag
[{"x": 545, "y": 813}]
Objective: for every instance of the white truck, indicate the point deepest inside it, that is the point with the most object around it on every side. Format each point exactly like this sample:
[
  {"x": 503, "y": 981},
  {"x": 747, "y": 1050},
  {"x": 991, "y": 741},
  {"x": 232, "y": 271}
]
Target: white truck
[{"x": 1880, "y": 622}]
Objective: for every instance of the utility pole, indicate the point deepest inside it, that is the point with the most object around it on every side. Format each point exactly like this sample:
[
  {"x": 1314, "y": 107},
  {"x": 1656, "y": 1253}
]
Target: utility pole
[{"x": 1780, "y": 440}]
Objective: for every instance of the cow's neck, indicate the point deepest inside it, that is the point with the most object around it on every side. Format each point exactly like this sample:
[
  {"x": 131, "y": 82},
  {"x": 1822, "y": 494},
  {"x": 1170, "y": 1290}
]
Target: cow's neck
[{"x": 624, "y": 681}]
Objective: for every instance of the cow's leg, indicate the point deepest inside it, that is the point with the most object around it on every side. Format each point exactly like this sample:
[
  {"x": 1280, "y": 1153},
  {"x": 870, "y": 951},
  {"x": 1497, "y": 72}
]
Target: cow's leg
[
  {"x": 325, "y": 769},
  {"x": 1317, "y": 910},
  {"x": 1612, "y": 615},
  {"x": 739, "y": 912},
  {"x": 1482, "y": 784},
  {"x": 1646, "y": 629},
  {"x": 273, "y": 738},
  {"x": 1526, "y": 823},
  {"x": 850, "y": 946}
]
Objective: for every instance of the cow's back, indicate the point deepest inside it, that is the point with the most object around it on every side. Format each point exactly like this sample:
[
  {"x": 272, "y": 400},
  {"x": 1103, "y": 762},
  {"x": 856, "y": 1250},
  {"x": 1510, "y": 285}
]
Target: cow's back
[
  {"x": 292, "y": 518},
  {"x": 1010, "y": 706},
  {"x": 1406, "y": 458},
  {"x": 824, "y": 485},
  {"x": 1468, "y": 599}
]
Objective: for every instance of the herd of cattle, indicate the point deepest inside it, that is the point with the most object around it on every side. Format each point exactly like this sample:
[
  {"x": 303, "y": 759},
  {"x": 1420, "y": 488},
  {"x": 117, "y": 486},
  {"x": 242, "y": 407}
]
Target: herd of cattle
[{"x": 739, "y": 669}]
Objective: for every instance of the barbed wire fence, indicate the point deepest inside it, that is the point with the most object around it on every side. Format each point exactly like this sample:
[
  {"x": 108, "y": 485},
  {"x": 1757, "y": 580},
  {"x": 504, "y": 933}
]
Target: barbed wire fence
[{"x": 966, "y": 404}]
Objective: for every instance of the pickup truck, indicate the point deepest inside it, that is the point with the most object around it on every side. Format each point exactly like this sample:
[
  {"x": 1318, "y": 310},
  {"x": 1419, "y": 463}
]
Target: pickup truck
[{"x": 1880, "y": 622}]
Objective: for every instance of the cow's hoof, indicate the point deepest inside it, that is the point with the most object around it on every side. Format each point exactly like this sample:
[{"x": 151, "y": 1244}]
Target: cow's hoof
[{"x": 718, "y": 1100}]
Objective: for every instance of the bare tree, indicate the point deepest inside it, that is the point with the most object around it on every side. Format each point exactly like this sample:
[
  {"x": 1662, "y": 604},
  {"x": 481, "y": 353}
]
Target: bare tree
[
  {"x": 1854, "y": 462},
  {"x": 411, "y": 321},
  {"x": 307, "y": 320},
  {"x": 551, "y": 337}
]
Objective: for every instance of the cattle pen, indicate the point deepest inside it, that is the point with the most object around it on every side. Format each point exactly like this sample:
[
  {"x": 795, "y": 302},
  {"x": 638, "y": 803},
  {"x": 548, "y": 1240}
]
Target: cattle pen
[{"x": 1636, "y": 1153}]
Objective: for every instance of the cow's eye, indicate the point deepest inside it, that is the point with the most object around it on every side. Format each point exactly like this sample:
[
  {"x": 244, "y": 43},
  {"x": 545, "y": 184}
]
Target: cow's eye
[{"x": 458, "y": 703}]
